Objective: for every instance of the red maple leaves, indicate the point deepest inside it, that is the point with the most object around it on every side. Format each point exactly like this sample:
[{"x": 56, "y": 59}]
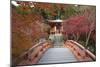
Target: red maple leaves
[{"x": 78, "y": 25}]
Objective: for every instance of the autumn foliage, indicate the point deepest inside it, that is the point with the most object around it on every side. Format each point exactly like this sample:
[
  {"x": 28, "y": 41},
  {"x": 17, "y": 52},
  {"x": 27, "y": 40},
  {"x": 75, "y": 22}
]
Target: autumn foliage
[
  {"x": 82, "y": 28},
  {"x": 27, "y": 29}
]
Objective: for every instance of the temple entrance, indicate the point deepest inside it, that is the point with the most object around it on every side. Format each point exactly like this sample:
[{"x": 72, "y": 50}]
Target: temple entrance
[{"x": 56, "y": 33}]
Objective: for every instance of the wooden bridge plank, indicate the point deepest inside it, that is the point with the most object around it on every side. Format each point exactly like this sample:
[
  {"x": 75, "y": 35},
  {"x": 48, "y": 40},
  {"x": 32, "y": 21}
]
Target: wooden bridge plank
[{"x": 57, "y": 55}]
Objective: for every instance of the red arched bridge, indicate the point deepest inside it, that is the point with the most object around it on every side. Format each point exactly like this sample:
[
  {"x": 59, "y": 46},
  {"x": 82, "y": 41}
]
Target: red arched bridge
[{"x": 46, "y": 53}]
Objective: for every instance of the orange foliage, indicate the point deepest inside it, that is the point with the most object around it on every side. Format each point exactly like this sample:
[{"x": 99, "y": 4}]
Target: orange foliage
[{"x": 26, "y": 31}]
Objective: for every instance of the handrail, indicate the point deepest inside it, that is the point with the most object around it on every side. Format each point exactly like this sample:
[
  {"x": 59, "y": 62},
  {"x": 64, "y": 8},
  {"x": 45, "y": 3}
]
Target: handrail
[
  {"x": 91, "y": 54},
  {"x": 80, "y": 46},
  {"x": 83, "y": 48},
  {"x": 38, "y": 44},
  {"x": 29, "y": 50}
]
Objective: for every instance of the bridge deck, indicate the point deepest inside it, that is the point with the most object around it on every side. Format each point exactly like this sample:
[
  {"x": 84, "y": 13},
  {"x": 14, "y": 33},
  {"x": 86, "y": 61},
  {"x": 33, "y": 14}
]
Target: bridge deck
[{"x": 57, "y": 55}]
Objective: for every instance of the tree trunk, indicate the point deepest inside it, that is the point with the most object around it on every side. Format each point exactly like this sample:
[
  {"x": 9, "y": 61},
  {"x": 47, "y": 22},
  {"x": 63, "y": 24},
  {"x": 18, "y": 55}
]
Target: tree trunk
[
  {"x": 88, "y": 37},
  {"x": 74, "y": 36},
  {"x": 77, "y": 37}
]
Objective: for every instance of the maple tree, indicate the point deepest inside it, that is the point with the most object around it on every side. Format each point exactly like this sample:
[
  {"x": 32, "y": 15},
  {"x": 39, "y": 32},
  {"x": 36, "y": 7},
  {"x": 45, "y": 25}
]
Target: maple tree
[
  {"x": 82, "y": 27},
  {"x": 27, "y": 29}
]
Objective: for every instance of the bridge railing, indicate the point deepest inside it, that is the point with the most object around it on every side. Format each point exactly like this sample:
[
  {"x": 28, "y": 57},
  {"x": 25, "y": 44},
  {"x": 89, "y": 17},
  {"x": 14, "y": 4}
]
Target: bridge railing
[
  {"x": 33, "y": 55},
  {"x": 81, "y": 53}
]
